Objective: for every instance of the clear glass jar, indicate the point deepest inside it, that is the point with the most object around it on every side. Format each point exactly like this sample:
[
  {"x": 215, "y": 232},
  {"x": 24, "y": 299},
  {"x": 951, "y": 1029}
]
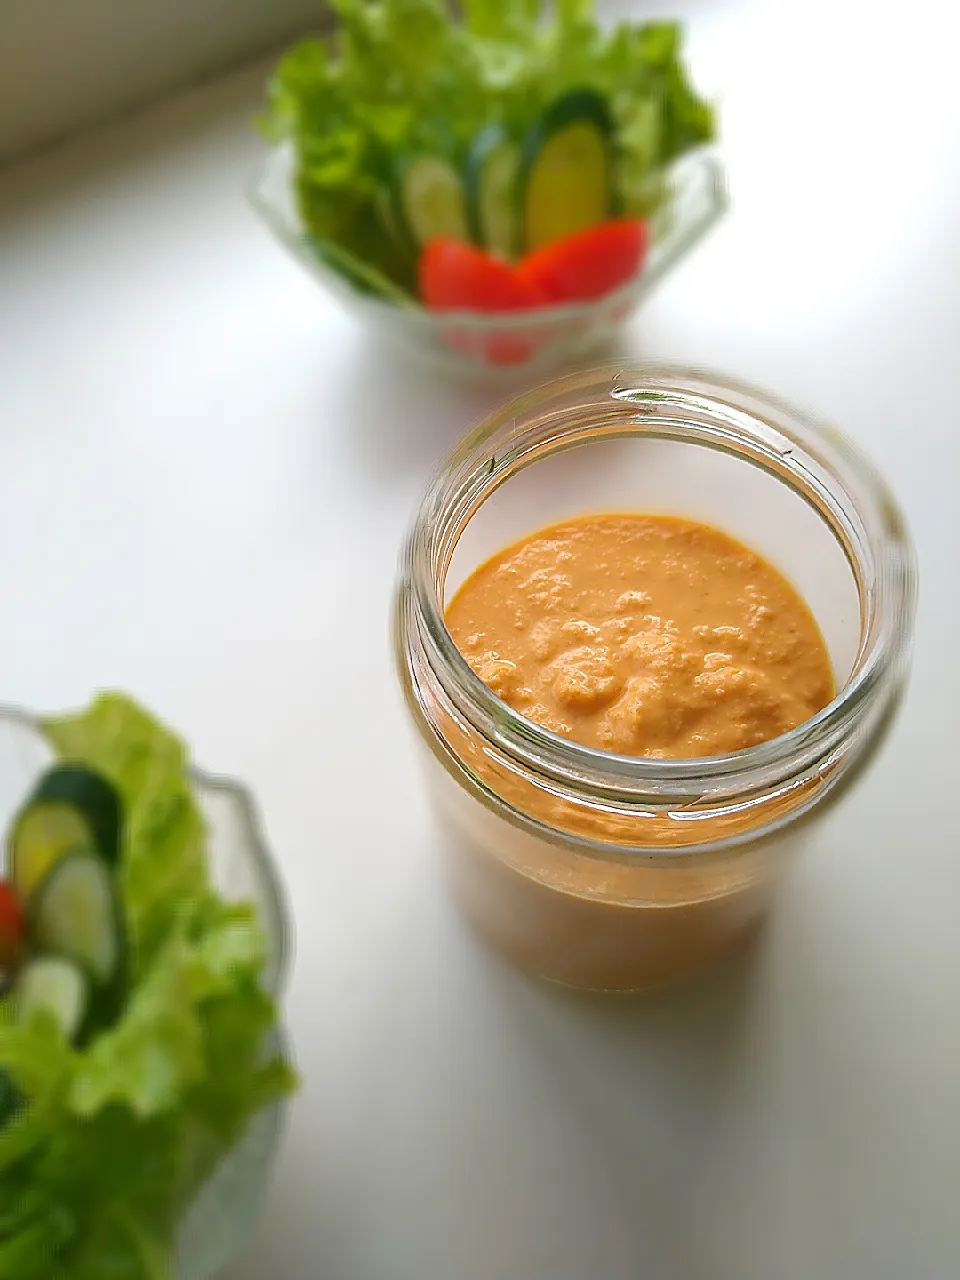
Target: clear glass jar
[{"x": 615, "y": 872}]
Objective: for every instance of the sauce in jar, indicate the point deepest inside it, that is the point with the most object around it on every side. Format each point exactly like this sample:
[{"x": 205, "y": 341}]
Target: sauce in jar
[{"x": 643, "y": 635}]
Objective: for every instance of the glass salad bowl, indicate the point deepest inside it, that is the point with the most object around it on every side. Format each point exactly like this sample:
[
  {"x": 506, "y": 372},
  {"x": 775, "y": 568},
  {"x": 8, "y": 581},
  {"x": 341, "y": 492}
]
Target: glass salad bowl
[
  {"x": 216, "y": 1226},
  {"x": 494, "y": 345}
]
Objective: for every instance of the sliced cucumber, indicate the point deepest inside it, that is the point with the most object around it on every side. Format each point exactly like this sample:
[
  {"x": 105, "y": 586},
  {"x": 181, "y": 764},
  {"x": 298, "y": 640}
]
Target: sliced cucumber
[
  {"x": 74, "y": 913},
  {"x": 431, "y": 200},
  {"x": 493, "y": 167},
  {"x": 92, "y": 795},
  {"x": 73, "y": 807},
  {"x": 41, "y": 836},
  {"x": 57, "y": 986},
  {"x": 567, "y": 169}
]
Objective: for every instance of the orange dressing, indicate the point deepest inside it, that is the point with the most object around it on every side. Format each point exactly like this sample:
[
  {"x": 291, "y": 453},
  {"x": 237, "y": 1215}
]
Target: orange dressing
[{"x": 644, "y": 635}]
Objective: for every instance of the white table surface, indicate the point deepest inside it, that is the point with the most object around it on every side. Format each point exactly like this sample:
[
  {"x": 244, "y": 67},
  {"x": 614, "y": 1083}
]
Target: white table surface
[{"x": 205, "y": 471}]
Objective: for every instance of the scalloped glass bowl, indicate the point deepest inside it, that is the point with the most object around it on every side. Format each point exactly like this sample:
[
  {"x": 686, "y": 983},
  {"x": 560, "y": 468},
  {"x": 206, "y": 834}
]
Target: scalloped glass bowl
[
  {"x": 217, "y": 1225},
  {"x": 498, "y": 345}
]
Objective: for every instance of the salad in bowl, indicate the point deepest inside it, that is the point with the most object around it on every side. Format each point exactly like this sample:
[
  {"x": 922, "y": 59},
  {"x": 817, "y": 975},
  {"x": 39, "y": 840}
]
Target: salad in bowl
[
  {"x": 495, "y": 188},
  {"x": 142, "y": 1063}
]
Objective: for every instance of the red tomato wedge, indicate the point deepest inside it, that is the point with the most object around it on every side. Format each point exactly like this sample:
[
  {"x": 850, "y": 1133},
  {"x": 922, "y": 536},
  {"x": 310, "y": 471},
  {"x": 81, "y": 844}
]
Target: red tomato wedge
[
  {"x": 457, "y": 276},
  {"x": 11, "y": 927},
  {"x": 588, "y": 265}
]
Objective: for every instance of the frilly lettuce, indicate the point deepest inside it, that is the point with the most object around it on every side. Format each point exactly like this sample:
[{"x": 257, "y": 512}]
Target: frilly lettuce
[{"x": 108, "y": 1145}]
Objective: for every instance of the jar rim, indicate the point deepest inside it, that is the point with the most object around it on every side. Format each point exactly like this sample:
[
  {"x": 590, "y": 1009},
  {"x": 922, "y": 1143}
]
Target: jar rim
[{"x": 701, "y": 407}]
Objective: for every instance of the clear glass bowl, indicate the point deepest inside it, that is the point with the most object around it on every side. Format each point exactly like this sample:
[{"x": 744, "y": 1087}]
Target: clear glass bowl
[
  {"x": 217, "y": 1225},
  {"x": 496, "y": 345}
]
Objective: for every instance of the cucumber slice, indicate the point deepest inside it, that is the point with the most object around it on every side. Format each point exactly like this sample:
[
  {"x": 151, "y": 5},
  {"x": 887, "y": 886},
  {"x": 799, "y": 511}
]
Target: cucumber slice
[
  {"x": 55, "y": 985},
  {"x": 91, "y": 794},
  {"x": 493, "y": 168},
  {"x": 74, "y": 914},
  {"x": 431, "y": 200},
  {"x": 567, "y": 170},
  {"x": 73, "y": 807},
  {"x": 41, "y": 836}
]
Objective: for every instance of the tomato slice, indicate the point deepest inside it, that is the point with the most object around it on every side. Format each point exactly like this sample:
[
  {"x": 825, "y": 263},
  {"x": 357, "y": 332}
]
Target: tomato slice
[
  {"x": 455, "y": 276},
  {"x": 588, "y": 265},
  {"x": 11, "y": 927},
  {"x": 458, "y": 276}
]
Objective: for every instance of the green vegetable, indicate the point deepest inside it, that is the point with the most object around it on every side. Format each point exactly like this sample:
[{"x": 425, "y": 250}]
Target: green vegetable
[
  {"x": 74, "y": 914},
  {"x": 92, "y": 796},
  {"x": 113, "y": 1139},
  {"x": 492, "y": 168},
  {"x": 409, "y": 78},
  {"x": 56, "y": 986},
  {"x": 71, "y": 808},
  {"x": 9, "y": 1098},
  {"x": 364, "y": 277},
  {"x": 567, "y": 169},
  {"x": 430, "y": 199},
  {"x": 41, "y": 836}
]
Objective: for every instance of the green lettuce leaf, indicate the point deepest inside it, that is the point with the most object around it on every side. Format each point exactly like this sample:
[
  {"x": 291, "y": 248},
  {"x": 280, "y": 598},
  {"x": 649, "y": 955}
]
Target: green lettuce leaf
[
  {"x": 103, "y": 1148},
  {"x": 502, "y": 19}
]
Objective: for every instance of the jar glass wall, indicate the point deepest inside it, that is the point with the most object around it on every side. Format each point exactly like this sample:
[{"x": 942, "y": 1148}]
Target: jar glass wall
[{"x": 614, "y": 872}]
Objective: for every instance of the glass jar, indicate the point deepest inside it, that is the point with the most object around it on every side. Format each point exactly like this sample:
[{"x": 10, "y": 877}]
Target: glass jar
[{"x": 615, "y": 872}]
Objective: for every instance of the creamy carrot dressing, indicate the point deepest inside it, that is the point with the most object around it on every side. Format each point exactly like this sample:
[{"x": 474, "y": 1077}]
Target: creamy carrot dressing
[{"x": 643, "y": 635}]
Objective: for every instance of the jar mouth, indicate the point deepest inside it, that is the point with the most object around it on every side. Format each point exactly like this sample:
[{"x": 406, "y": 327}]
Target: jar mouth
[{"x": 696, "y": 407}]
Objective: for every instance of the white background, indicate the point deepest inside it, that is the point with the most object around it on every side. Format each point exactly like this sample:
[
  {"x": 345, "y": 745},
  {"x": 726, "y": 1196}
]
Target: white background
[{"x": 205, "y": 471}]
